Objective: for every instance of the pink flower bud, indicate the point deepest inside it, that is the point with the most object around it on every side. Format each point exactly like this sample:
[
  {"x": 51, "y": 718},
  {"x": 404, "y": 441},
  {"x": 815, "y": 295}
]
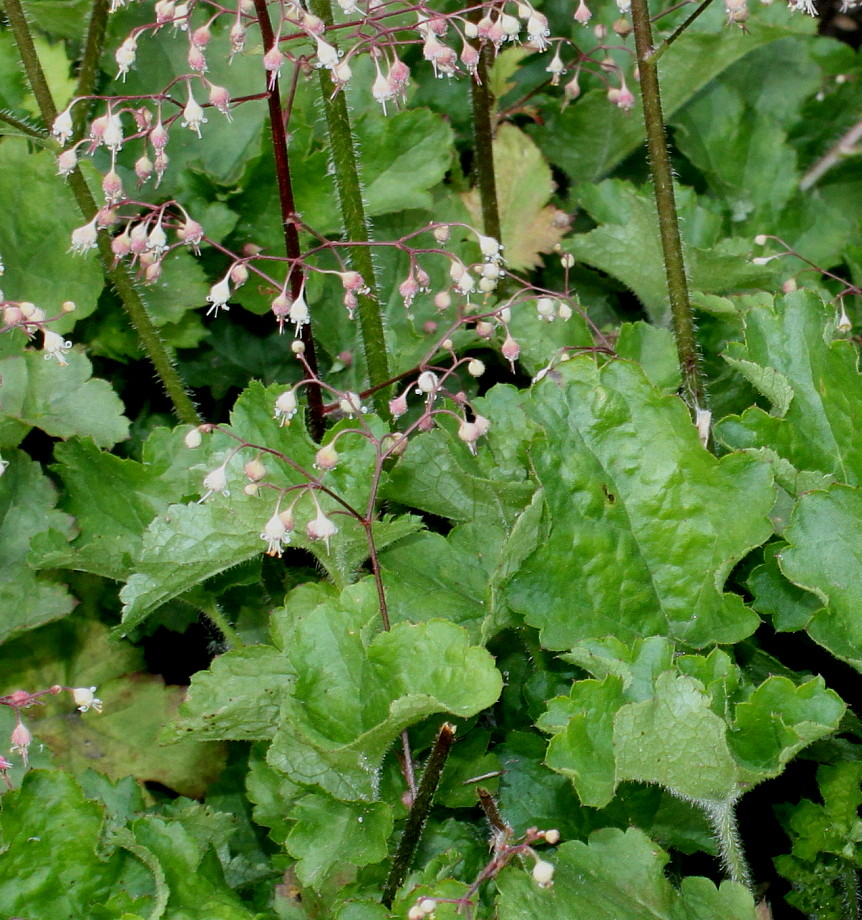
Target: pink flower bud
[
  {"x": 398, "y": 406},
  {"x": 196, "y": 60},
  {"x": 144, "y": 168},
  {"x": 510, "y": 350},
  {"x": 220, "y": 99},
  {"x": 326, "y": 458},
  {"x": 66, "y": 162}
]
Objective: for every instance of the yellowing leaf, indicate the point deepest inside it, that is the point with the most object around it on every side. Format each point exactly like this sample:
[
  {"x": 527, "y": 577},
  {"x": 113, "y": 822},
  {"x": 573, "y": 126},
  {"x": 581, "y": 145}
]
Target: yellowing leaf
[{"x": 524, "y": 185}]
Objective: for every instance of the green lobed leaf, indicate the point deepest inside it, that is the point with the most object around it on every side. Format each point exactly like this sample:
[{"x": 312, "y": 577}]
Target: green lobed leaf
[
  {"x": 693, "y": 61},
  {"x": 825, "y": 556},
  {"x": 50, "y": 833},
  {"x": 627, "y": 245},
  {"x": 812, "y": 381},
  {"x": 112, "y": 500},
  {"x": 688, "y": 724},
  {"x": 238, "y": 697},
  {"x": 617, "y": 874},
  {"x": 188, "y": 544},
  {"x": 61, "y": 401},
  {"x": 329, "y": 834},
  {"x": 354, "y": 693},
  {"x": 643, "y": 525},
  {"x": 27, "y": 500}
]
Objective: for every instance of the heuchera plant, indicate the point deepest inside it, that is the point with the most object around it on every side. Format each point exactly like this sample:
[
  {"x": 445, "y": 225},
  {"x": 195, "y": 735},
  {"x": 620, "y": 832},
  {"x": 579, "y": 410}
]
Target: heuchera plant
[{"x": 503, "y": 480}]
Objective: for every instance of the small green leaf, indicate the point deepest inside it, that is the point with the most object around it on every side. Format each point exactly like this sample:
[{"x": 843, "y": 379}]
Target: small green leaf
[
  {"x": 812, "y": 381},
  {"x": 61, "y": 401},
  {"x": 825, "y": 556},
  {"x": 329, "y": 834},
  {"x": 27, "y": 500},
  {"x": 353, "y": 694}
]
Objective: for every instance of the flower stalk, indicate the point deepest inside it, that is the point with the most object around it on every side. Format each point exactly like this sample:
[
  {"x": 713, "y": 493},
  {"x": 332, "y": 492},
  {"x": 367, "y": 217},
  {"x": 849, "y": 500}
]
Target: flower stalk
[
  {"x": 693, "y": 387},
  {"x": 116, "y": 274},
  {"x": 418, "y": 814},
  {"x": 288, "y": 215},
  {"x": 355, "y": 224}
]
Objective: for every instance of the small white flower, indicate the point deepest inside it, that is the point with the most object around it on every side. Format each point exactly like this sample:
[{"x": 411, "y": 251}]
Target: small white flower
[
  {"x": 327, "y": 56},
  {"x": 543, "y": 873},
  {"x": 55, "y": 347},
  {"x": 62, "y": 127},
  {"x": 112, "y": 136},
  {"x": 193, "y": 115},
  {"x": 67, "y": 161},
  {"x": 285, "y": 407},
  {"x": 427, "y": 382},
  {"x": 276, "y": 535},
  {"x": 84, "y": 238},
  {"x": 85, "y": 698},
  {"x": 490, "y": 248},
  {"x": 321, "y": 528},
  {"x": 299, "y": 314},
  {"x": 216, "y": 481},
  {"x": 351, "y": 405},
  {"x": 219, "y": 295},
  {"x": 125, "y": 56},
  {"x": 193, "y": 439}
]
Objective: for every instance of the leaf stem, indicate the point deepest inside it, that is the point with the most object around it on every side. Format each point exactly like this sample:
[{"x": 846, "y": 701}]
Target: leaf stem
[
  {"x": 693, "y": 388},
  {"x": 278, "y": 133},
  {"x": 356, "y": 227},
  {"x": 722, "y": 817},
  {"x": 418, "y": 813},
  {"x": 116, "y": 274},
  {"x": 211, "y": 610}
]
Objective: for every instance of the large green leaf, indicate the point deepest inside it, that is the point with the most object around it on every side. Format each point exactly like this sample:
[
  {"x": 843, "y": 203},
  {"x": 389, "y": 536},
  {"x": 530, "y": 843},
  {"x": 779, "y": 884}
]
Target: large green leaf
[
  {"x": 27, "y": 500},
  {"x": 687, "y": 724},
  {"x": 617, "y": 875},
  {"x": 811, "y": 379},
  {"x": 643, "y": 525},
  {"x": 590, "y": 138},
  {"x": 354, "y": 693},
  {"x": 825, "y": 557},
  {"x": 51, "y": 833},
  {"x": 627, "y": 245}
]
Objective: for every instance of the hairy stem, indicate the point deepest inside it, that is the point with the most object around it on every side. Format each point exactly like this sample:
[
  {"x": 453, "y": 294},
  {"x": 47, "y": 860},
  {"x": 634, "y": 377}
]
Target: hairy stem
[
  {"x": 483, "y": 130},
  {"x": 693, "y": 388},
  {"x": 116, "y": 274},
  {"x": 94, "y": 44},
  {"x": 722, "y": 818},
  {"x": 418, "y": 814},
  {"x": 355, "y": 223},
  {"x": 288, "y": 216},
  {"x": 211, "y": 610}
]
